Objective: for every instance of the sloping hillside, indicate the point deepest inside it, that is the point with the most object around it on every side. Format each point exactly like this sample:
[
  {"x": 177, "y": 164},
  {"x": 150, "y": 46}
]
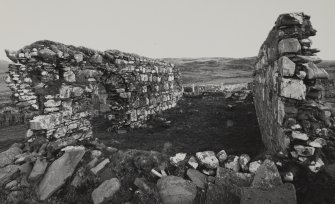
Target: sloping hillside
[
  {"x": 3, "y": 66},
  {"x": 214, "y": 70}
]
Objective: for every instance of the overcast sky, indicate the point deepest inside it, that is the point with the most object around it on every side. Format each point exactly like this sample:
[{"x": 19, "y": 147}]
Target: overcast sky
[{"x": 156, "y": 28}]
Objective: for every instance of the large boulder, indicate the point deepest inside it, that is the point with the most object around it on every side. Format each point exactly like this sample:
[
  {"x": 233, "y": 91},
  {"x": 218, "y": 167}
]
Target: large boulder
[
  {"x": 8, "y": 156},
  {"x": 59, "y": 171},
  {"x": 38, "y": 169},
  {"x": 176, "y": 190},
  {"x": 197, "y": 177},
  {"x": 106, "y": 190},
  {"x": 7, "y": 173},
  {"x": 267, "y": 176}
]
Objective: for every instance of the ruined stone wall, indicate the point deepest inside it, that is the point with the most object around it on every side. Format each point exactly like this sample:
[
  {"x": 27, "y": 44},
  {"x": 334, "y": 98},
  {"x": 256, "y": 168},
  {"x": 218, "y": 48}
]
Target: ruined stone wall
[
  {"x": 64, "y": 86},
  {"x": 289, "y": 93}
]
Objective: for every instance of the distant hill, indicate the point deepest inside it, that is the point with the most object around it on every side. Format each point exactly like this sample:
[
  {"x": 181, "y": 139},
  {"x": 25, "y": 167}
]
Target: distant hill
[
  {"x": 214, "y": 70},
  {"x": 4, "y": 66}
]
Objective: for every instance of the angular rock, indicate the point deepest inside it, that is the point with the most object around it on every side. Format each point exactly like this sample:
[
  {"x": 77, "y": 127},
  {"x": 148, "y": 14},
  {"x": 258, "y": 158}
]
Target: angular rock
[
  {"x": 307, "y": 59},
  {"x": 8, "y": 156},
  {"x": 299, "y": 136},
  {"x": 304, "y": 151},
  {"x": 222, "y": 156},
  {"x": 178, "y": 158},
  {"x": 313, "y": 72},
  {"x": 315, "y": 166},
  {"x": 232, "y": 181},
  {"x": 286, "y": 66},
  {"x": 208, "y": 159},
  {"x": 106, "y": 190},
  {"x": 45, "y": 122},
  {"x": 243, "y": 160},
  {"x": 100, "y": 166},
  {"x": 253, "y": 166},
  {"x": 175, "y": 190},
  {"x": 284, "y": 193},
  {"x": 292, "y": 88},
  {"x": 7, "y": 173},
  {"x": 193, "y": 162},
  {"x": 289, "y": 45},
  {"x": 197, "y": 177},
  {"x": 232, "y": 163},
  {"x": 38, "y": 169},
  {"x": 59, "y": 171},
  {"x": 267, "y": 176}
]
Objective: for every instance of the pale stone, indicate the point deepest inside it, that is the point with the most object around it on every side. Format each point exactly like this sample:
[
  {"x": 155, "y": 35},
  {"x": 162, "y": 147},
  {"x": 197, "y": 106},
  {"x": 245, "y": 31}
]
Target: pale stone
[
  {"x": 69, "y": 76},
  {"x": 243, "y": 160},
  {"x": 52, "y": 103},
  {"x": 8, "y": 156},
  {"x": 178, "y": 158},
  {"x": 208, "y": 159},
  {"x": 286, "y": 66},
  {"x": 299, "y": 136},
  {"x": 100, "y": 166},
  {"x": 318, "y": 143},
  {"x": 106, "y": 190},
  {"x": 315, "y": 166},
  {"x": 289, "y": 45},
  {"x": 233, "y": 163},
  {"x": 38, "y": 169},
  {"x": 292, "y": 88},
  {"x": 253, "y": 166},
  {"x": 288, "y": 176},
  {"x": 59, "y": 171},
  {"x": 304, "y": 151},
  {"x": 193, "y": 162},
  {"x": 222, "y": 156},
  {"x": 45, "y": 122},
  {"x": 267, "y": 176}
]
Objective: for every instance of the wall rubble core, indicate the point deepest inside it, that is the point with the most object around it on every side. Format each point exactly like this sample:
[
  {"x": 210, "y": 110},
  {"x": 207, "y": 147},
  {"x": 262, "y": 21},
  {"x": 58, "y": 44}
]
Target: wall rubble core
[
  {"x": 293, "y": 114},
  {"x": 64, "y": 86}
]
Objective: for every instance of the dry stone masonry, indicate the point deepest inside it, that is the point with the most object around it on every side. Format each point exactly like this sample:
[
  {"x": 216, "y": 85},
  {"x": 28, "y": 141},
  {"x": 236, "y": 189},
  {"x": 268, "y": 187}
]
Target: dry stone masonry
[
  {"x": 64, "y": 86},
  {"x": 293, "y": 115}
]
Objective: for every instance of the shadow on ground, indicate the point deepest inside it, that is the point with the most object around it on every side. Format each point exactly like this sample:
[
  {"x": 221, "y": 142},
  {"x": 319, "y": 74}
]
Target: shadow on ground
[{"x": 196, "y": 124}]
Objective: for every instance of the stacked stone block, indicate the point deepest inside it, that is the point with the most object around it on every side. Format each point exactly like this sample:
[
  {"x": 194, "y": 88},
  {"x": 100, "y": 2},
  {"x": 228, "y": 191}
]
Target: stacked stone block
[
  {"x": 289, "y": 100},
  {"x": 64, "y": 86}
]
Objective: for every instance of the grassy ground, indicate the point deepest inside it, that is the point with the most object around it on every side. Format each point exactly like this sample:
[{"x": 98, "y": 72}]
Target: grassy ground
[{"x": 197, "y": 124}]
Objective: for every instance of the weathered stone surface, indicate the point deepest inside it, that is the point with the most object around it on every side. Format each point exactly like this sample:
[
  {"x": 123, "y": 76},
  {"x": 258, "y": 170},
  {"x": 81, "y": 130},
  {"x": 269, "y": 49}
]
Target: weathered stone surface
[
  {"x": 286, "y": 66},
  {"x": 232, "y": 181},
  {"x": 222, "y": 156},
  {"x": 100, "y": 166},
  {"x": 313, "y": 72},
  {"x": 38, "y": 169},
  {"x": 243, "y": 160},
  {"x": 106, "y": 190},
  {"x": 292, "y": 88},
  {"x": 7, "y": 172},
  {"x": 299, "y": 136},
  {"x": 208, "y": 159},
  {"x": 59, "y": 171},
  {"x": 284, "y": 193},
  {"x": 174, "y": 190},
  {"x": 8, "y": 156},
  {"x": 45, "y": 122},
  {"x": 253, "y": 166},
  {"x": 267, "y": 176},
  {"x": 304, "y": 151},
  {"x": 178, "y": 158},
  {"x": 197, "y": 177},
  {"x": 193, "y": 162},
  {"x": 233, "y": 163},
  {"x": 289, "y": 45}
]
